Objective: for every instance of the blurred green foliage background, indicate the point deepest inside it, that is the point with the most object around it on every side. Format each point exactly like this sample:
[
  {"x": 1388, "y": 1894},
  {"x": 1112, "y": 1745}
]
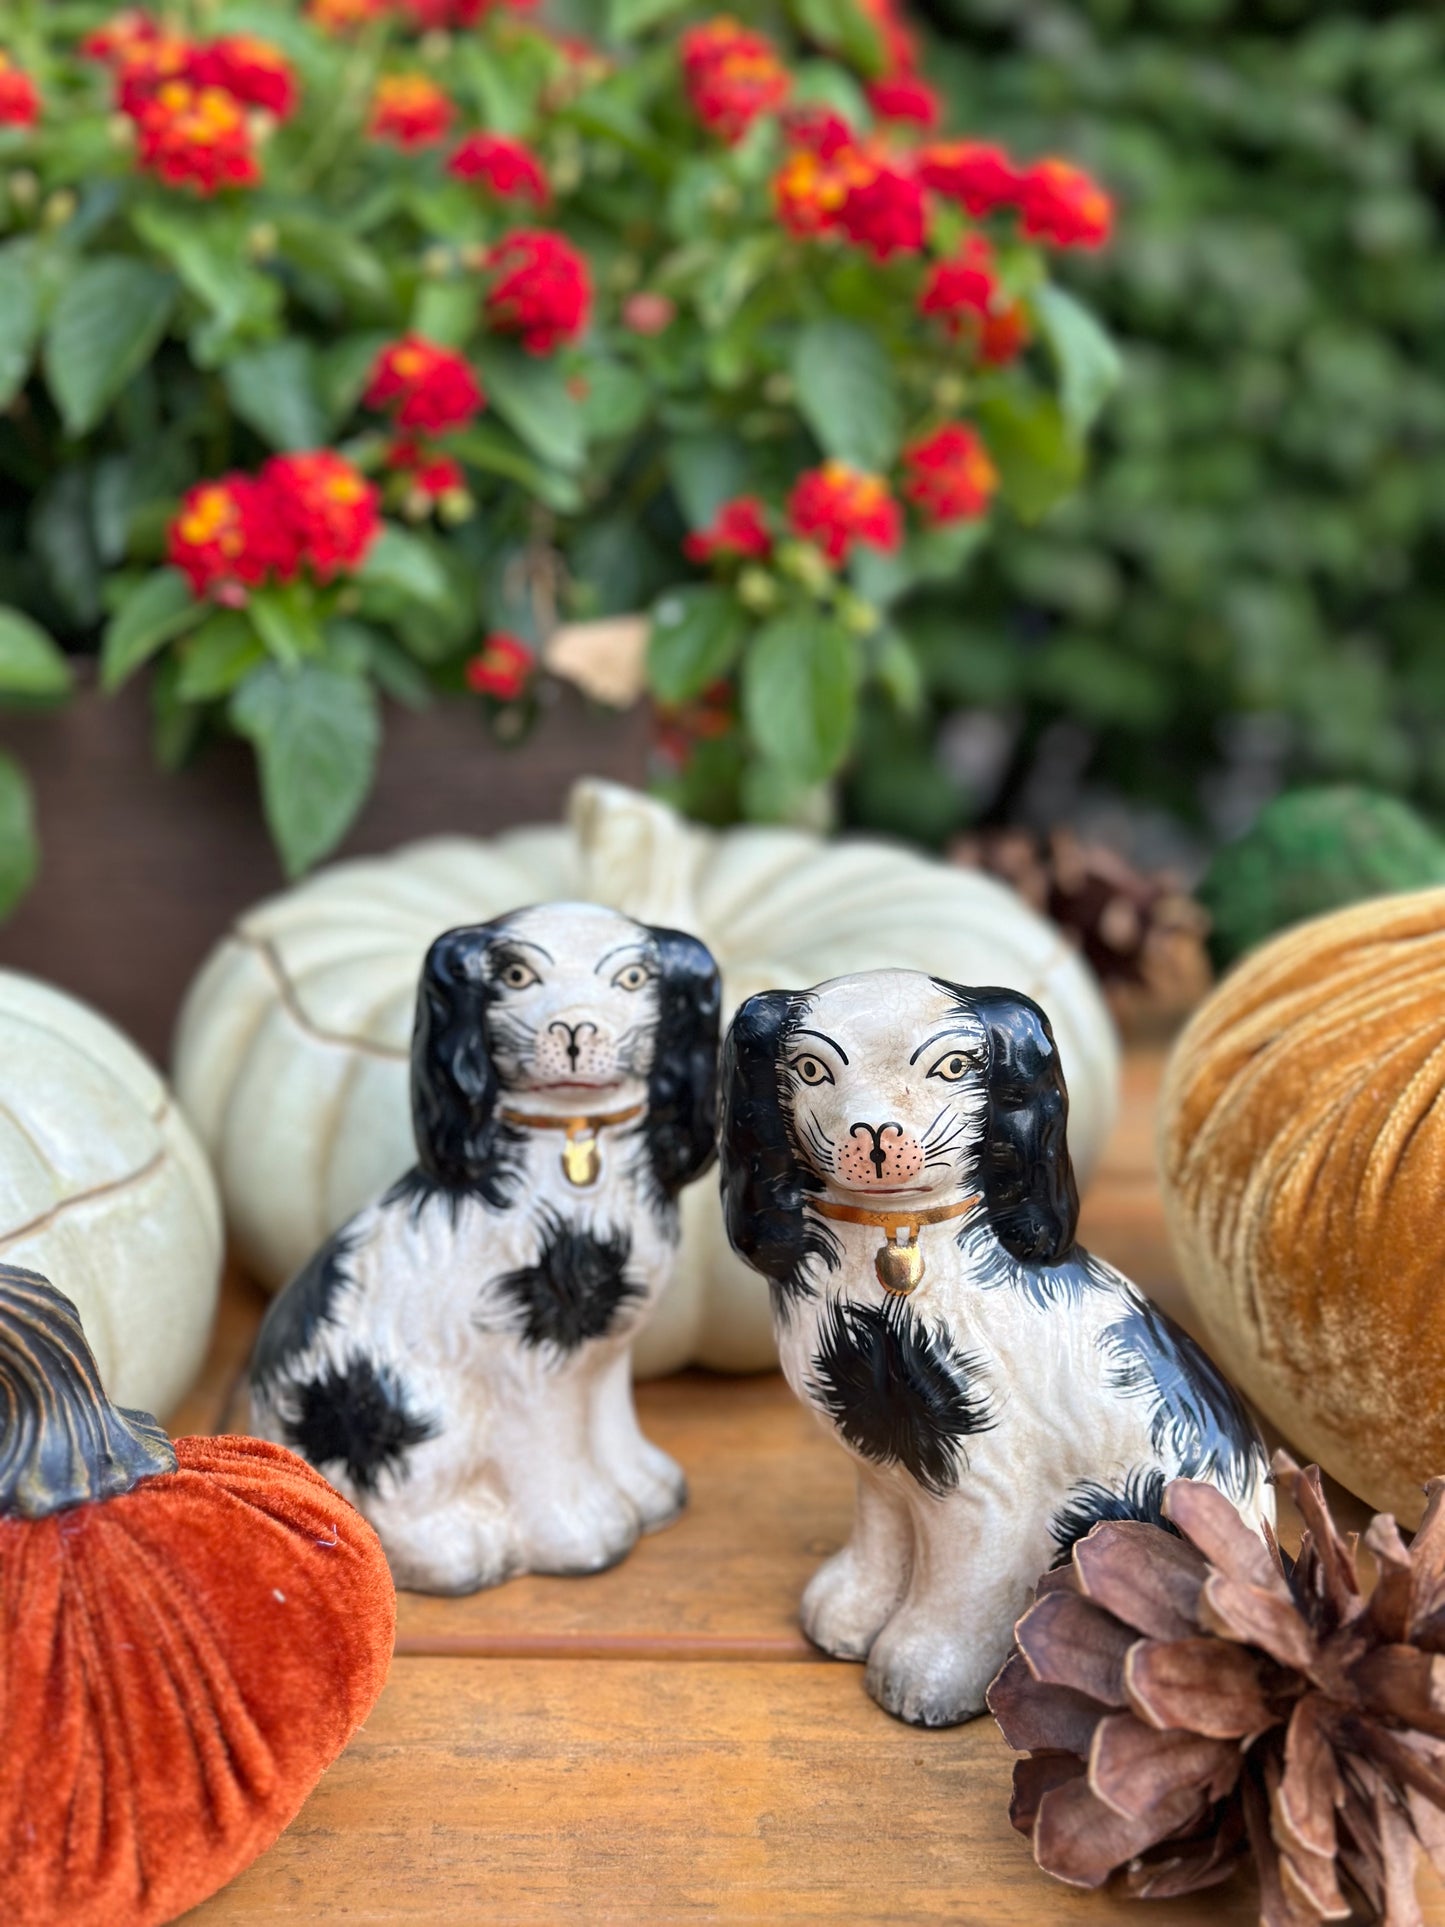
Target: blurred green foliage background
[{"x": 1249, "y": 590}]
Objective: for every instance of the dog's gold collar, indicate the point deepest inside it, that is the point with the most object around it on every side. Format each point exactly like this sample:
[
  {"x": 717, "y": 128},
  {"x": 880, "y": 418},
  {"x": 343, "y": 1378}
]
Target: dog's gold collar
[
  {"x": 581, "y": 1158},
  {"x": 899, "y": 1262}
]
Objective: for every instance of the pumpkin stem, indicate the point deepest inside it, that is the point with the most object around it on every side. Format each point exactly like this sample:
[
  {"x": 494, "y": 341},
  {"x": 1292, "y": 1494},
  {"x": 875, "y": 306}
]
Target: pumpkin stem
[{"x": 62, "y": 1442}]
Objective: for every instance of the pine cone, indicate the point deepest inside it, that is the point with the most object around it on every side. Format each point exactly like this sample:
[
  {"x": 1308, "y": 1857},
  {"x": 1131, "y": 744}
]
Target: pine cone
[
  {"x": 1140, "y": 932},
  {"x": 1188, "y": 1696}
]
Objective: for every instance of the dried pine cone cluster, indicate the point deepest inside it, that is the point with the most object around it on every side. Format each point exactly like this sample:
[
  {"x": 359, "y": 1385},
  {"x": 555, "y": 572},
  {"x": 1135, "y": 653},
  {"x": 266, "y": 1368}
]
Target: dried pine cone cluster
[
  {"x": 1142, "y": 933},
  {"x": 1186, "y": 1700}
]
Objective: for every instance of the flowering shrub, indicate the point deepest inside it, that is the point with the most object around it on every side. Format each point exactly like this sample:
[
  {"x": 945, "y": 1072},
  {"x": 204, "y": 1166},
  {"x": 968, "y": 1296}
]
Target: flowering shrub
[{"x": 350, "y": 346}]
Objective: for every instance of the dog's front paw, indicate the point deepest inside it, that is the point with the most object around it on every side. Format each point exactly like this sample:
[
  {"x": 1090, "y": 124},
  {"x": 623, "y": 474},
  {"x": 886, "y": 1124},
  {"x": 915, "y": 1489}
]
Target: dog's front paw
[
  {"x": 846, "y": 1605},
  {"x": 459, "y": 1548},
  {"x": 655, "y": 1484},
  {"x": 581, "y": 1531},
  {"x": 926, "y": 1674}
]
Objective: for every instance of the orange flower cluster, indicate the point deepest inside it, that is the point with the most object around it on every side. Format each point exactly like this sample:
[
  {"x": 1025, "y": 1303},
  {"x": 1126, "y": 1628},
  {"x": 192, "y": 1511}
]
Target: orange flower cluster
[
  {"x": 312, "y": 511},
  {"x": 949, "y": 475},
  {"x": 410, "y": 111},
  {"x": 19, "y": 96},
  {"x": 837, "y": 505},
  {"x": 834, "y": 183},
  {"x": 425, "y": 386},
  {"x": 194, "y": 102},
  {"x": 507, "y": 168},
  {"x": 732, "y": 75},
  {"x": 344, "y": 16},
  {"x": 502, "y": 667},
  {"x": 541, "y": 289},
  {"x": 964, "y": 293}
]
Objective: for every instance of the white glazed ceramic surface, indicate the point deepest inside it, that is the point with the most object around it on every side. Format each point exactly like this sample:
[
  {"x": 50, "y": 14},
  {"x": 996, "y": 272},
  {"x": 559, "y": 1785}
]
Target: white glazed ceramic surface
[
  {"x": 104, "y": 1189},
  {"x": 291, "y": 1055}
]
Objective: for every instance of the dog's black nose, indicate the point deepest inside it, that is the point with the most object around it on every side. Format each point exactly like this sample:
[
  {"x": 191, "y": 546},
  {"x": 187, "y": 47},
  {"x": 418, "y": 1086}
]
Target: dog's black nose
[
  {"x": 877, "y": 1157},
  {"x": 572, "y": 1032}
]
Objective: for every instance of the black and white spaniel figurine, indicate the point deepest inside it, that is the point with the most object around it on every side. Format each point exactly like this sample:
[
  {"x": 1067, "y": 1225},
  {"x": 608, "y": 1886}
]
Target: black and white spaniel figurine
[
  {"x": 894, "y": 1162},
  {"x": 457, "y": 1359}
]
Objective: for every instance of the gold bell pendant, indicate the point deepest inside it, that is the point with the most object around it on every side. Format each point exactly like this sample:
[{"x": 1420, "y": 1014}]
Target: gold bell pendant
[
  {"x": 580, "y": 1159},
  {"x": 899, "y": 1264}
]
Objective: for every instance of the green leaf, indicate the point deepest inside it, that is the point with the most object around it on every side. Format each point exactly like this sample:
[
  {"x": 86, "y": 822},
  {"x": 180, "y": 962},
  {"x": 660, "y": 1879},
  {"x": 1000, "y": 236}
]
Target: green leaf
[
  {"x": 31, "y": 665},
  {"x": 19, "y": 850},
  {"x": 205, "y": 248},
  {"x": 62, "y": 540},
  {"x": 695, "y": 638},
  {"x": 530, "y": 393},
  {"x": 222, "y": 652},
  {"x": 285, "y": 618},
  {"x": 846, "y": 392},
  {"x": 1087, "y": 360},
  {"x": 900, "y": 673},
  {"x": 274, "y": 391},
  {"x": 342, "y": 372},
  {"x": 328, "y": 251},
  {"x": 626, "y": 19},
  {"x": 107, "y": 324},
  {"x": 617, "y": 401},
  {"x": 19, "y": 322},
  {"x": 497, "y": 452},
  {"x": 159, "y": 608},
  {"x": 445, "y": 312},
  {"x": 316, "y": 731},
  {"x": 1040, "y": 460},
  {"x": 844, "y": 28},
  {"x": 800, "y": 693},
  {"x": 406, "y": 565},
  {"x": 706, "y": 470}
]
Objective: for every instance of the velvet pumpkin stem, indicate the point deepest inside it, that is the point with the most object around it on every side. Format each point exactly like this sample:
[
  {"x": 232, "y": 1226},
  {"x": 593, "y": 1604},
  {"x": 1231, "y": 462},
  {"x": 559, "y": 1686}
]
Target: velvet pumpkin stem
[{"x": 62, "y": 1442}]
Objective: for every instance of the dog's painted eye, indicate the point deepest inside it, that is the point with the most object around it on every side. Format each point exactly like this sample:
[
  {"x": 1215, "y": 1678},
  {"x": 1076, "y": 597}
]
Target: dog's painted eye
[
  {"x": 953, "y": 1066},
  {"x": 632, "y": 976},
  {"x": 517, "y": 976},
  {"x": 812, "y": 1070}
]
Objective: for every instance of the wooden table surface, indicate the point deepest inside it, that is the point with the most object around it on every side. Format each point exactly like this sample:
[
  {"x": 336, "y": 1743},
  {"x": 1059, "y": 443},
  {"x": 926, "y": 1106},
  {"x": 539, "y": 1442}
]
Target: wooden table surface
[{"x": 660, "y": 1743}]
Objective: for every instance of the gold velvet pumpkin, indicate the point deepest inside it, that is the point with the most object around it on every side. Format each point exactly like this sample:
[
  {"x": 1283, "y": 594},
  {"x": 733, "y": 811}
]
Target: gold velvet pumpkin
[{"x": 1303, "y": 1155}]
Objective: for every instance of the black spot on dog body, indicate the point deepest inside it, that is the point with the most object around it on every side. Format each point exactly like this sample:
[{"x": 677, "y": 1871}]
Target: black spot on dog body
[
  {"x": 576, "y": 1290},
  {"x": 354, "y": 1415},
  {"x": 306, "y": 1303},
  {"x": 1068, "y": 1282},
  {"x": 898, "y": 1393},
  {"x": 1198, "y": 1422},
  {"x": 1090, "y": 1502},
  {"x": 417, "y": 1189}
]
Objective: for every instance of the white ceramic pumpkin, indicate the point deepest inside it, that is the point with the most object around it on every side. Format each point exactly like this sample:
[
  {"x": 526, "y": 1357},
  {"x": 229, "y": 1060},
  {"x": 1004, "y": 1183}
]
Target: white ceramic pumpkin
[
  {"x": 291, "y": 1055},
  {"x": 104, "y": 1187}
]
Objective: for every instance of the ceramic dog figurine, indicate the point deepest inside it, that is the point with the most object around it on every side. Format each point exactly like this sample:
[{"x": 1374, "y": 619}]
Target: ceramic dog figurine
[
  {"x": 894, "y": 1162},
  {"x": 457, "y": 1358}
]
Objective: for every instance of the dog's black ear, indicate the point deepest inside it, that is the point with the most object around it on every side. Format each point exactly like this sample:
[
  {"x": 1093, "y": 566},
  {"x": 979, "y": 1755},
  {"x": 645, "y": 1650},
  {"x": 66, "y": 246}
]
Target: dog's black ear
[
  {"x": 453, "y": 1084},
  {"x": 682, "y": 1090},
  {"x": 763, "y": 1180},
  {"x": 1028, "y": 1179}
]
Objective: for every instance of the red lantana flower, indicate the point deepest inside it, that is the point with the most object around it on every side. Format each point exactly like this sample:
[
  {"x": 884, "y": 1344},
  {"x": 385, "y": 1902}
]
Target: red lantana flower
[
  {"x": 501, "y": 668},
  {"x": 330, "y": 509},
  {"x": 904, "y": 97},
  {"x": 196, "y": 137},
  {"x": 409, "y": 111},
  {"x": 731, "y": 75},
  {"x": 900, "y": 47},
  {"x": 1063, "y": 204},
  {"x": 819, "y": 130},
  {"x": 978, "y": 175},
  {"x": 949, "y": 474},
  {"x": 541, "y": 289},
  {"x": 740, "y": 527},
  {"x": 439, "y": 15},
  {"x": 428, "y": 387},
  {"x": 19, "y": 96},
  {"x": 967, "y": 296},
  {"x": 228, "y": 535},
  {"x": 883, "y": 207},
  {"x": 507, "y": 167},
  {"x": 143, "y": 69},
  {"x": 837, "y": 505},
  {"x": 648, "y": 313},
  {"x": 258, "y": 74},
  {"x": 809, "y": 190},
  {"x": 431, "y": 479},
  {"x": 121, "y": 35}
]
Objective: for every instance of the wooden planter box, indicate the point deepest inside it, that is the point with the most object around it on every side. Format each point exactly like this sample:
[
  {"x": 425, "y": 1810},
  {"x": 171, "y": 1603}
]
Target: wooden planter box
[{"x": 142, "y": 871}]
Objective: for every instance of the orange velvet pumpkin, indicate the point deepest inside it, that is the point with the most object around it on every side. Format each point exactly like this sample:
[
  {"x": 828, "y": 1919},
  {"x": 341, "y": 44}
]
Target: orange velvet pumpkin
[{"x": 188, "y": 1638}]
